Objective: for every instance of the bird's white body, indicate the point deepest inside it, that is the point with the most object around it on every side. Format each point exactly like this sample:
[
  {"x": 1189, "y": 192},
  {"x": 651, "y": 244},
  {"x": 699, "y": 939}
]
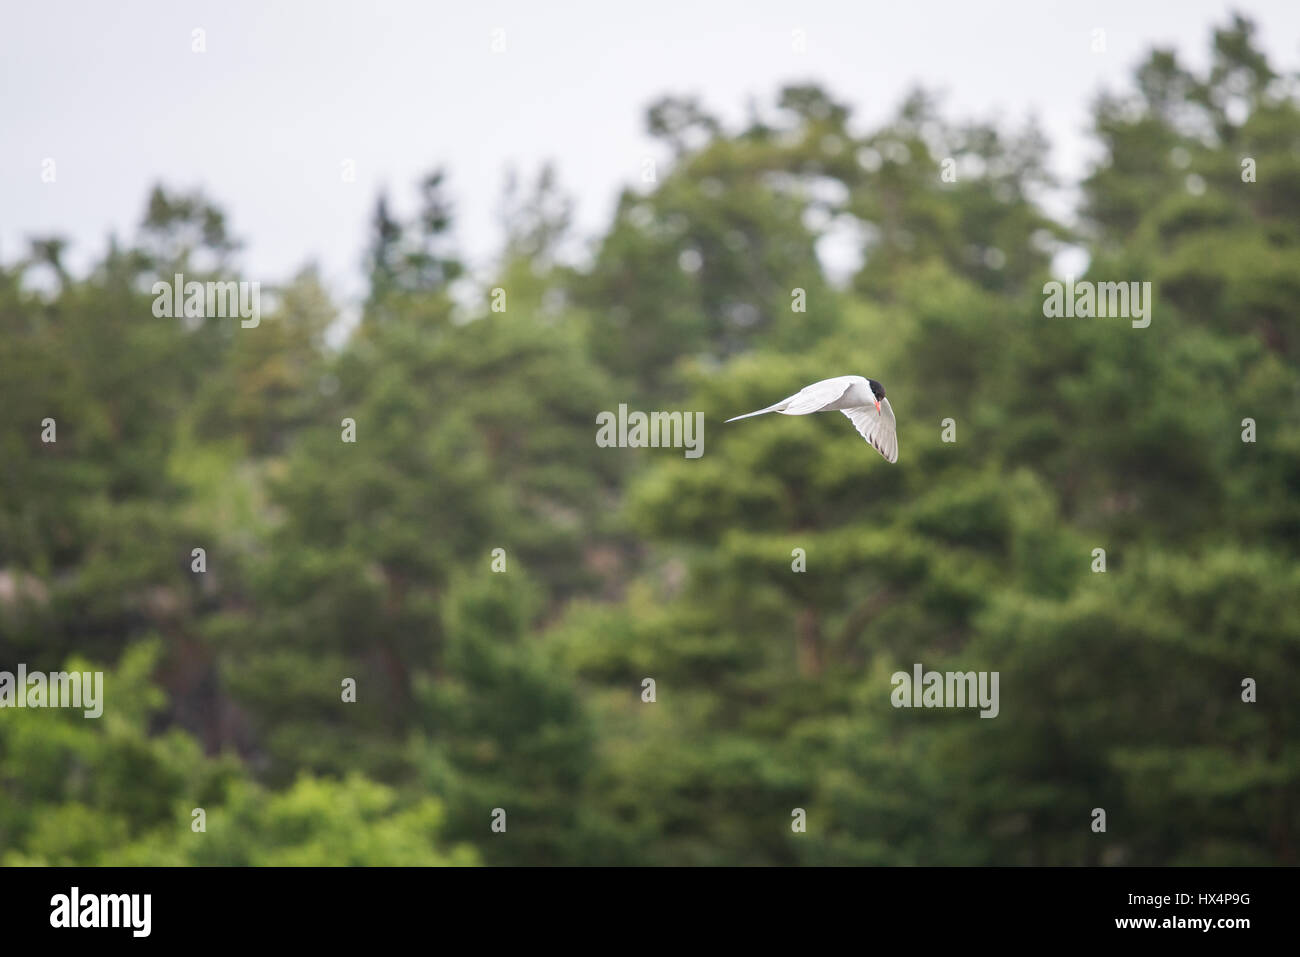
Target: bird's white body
[{"x": 852, "y": 395}]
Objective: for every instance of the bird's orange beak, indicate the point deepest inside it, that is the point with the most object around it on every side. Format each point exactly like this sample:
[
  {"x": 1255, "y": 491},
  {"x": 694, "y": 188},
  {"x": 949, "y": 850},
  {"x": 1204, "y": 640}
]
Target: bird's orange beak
[{"x": 877, "y": 405}]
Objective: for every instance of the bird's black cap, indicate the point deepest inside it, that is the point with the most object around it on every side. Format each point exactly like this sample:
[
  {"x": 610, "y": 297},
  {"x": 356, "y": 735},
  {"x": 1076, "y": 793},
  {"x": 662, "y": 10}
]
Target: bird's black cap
[{"x": 877, "y": 389}]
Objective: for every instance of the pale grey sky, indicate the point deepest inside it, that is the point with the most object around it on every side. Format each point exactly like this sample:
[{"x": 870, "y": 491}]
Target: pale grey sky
[{"x": 287, "y": 91}]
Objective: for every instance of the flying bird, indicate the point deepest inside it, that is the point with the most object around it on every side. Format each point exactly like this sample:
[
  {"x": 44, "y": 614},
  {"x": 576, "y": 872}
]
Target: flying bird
[{"x": 862, "y": 400}]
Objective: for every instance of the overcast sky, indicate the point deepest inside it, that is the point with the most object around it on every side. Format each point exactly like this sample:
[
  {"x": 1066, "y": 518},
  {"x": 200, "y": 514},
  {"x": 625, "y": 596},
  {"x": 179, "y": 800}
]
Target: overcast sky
[{"x": 287, "y": 91}]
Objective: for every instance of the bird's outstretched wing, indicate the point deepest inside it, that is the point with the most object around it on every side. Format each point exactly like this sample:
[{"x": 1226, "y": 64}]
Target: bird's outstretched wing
[
  {"x": 878, "y": 428},
  {"x": 813, "y": 398},
  {"x": 816, "y": 397}
]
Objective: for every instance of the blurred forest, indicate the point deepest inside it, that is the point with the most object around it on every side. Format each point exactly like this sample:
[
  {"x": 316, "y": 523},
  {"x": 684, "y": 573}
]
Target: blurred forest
[{"x": 476, "y": 430}]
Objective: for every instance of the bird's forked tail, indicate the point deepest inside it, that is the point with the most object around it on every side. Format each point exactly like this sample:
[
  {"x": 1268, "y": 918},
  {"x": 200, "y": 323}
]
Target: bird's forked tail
[{"x": 747, "y": 415}]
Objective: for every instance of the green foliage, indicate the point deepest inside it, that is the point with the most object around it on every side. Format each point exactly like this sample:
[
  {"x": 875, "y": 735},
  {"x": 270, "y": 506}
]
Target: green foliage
[{"x": 514, "y": 679}]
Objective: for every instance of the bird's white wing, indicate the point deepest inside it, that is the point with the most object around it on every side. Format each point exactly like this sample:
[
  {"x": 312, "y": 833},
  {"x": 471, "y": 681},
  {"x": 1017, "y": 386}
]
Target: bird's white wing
[
  {"x": 816, "y": 397},
  {"x": 878, "y": 428}
]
